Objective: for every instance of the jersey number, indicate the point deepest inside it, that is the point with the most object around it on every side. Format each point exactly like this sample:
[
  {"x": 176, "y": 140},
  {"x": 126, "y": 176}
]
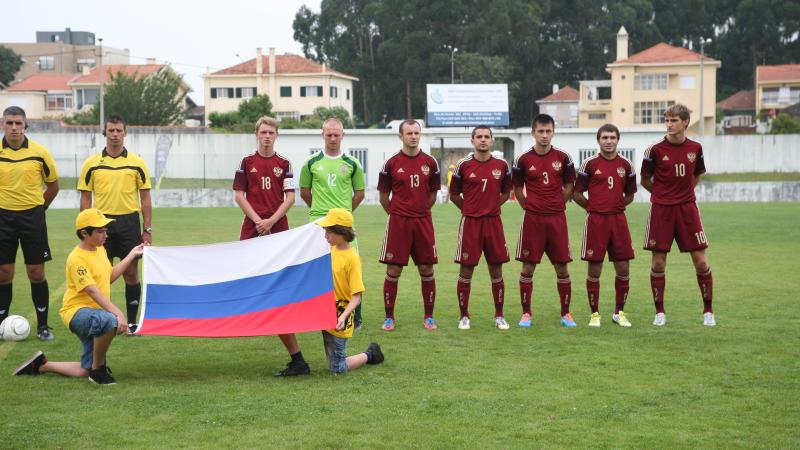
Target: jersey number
[
  {"x": 546, "y": 177},
  {"x": 611, "y": 182},
  {"x": 413, "y": 180},
  {"x": 266, "y": 183},
  {"x": 701, "y": 237},
  {"x": 680, "y": 170},
  {"x": 331, "y": 179},
  {"x": 484, "y": 184}
]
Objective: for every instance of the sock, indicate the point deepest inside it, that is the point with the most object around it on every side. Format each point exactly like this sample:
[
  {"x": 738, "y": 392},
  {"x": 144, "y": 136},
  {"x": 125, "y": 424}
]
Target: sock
[
  {"x": 564, "y": 286},
  {"x": 462, "y": 293},
  {"x": 133, "y": 293},
  {"x": 498, "y": 292},
  {"x": 389, "y": 295},
  {"x": 40, "y": 293},
  {"x": 297, "y": 357},
  {"x": 621, "y": 286},
  {"x": 658, "y": 281},
  {"x": 5, "y": 300},
  {"x": 428, "y": 294},
  {"x": 706, "y": 284},
  {"x": 525, "y": 292},
  {"x": 593, "y": 290},
  {"x": 357, "y": 313}
]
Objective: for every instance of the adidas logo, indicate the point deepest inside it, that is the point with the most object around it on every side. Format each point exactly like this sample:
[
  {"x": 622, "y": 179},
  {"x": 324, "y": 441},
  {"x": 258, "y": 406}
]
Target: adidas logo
[
  {"x": 253, "y": 170},
  {"x": 665, "y": 158},
  {"x": 531, "y": 168},
  {"x": 400, "y": 170},
  {"x": 597, "y": 172},
  {"x": 472, "y": 175}
]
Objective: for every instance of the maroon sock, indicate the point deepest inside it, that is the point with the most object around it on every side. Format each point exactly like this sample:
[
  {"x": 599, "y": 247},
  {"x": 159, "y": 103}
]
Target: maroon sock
[
  {"x": 706, "y": 284},
  {"x": 564, "y": 286},
  {"x": 498, "y": 292},
  {"x": 658, "y": 281},
  {"x": 462, "y": 293},
  {"x": 389, "y": 295},
  {"x": 428, "y": 294},
  {"x": 593, "y": 290},
  {"x": 525, "y": 292},
  {"x": 621, "y": 286}
]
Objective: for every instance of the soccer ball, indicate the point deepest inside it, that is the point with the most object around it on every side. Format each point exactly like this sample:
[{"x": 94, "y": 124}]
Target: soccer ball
[{"x": 14, "y": 328}]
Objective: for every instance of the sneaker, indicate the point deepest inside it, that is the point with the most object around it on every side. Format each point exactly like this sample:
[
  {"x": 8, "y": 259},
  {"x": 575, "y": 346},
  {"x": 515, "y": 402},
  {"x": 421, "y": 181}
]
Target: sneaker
[
  {"x": 429, "y": 324},
  {"x": 660, "y": 320},
  {"x": 621, "y": 320},
  {"x": 594, "y": 321},
  {"x": 31, "y": 365},
  {"x": 708, "y": 319},
  {"x": 295, "y": 368},
  {"x": 568, "y": 321},
  {"x": 525, "y": 321},
  {"x": 500, "y": 323},
  {"x": 463, "y": 324},
  {"x": 374, "y": 354},
  {"x": 388, "y": 324},
  {"x": 45, "y": 334},
  {"x": 132, "y": 327},
  {"x": 101, "y": 375}
]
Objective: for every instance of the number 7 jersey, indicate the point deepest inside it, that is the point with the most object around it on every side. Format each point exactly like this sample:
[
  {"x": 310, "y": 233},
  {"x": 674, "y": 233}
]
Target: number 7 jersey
[{"x": 673, "y": 169}]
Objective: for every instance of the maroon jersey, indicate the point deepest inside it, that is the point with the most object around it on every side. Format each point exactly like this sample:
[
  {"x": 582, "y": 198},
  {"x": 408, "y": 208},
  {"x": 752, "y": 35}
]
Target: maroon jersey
[
  {"x": 482, "y": 184},
  {"x": 410, "y": 180},
  {"x": 264, "y": 181},
  {"x": 608, "y": 182},
  {"x": 674, "y": 169},
  {"x": 544, "y": 177}
]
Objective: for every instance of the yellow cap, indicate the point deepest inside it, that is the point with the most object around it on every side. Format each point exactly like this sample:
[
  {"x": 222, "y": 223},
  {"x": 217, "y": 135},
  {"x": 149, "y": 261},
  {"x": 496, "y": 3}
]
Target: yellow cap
[
  {"x": 91, "y": 217},
  {"x": 337, "y": 216}
]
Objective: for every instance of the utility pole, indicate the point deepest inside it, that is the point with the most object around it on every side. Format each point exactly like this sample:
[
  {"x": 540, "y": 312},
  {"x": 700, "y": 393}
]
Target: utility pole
[
  {"x": 102, "y": 82},
  {"x": 453, "y": 51},
  {"x": 703, "y": 42}
]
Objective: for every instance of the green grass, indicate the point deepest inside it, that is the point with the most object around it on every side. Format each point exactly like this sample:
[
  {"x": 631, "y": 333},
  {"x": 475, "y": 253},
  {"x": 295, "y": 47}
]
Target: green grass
[
  {"x": 685, "y": 385},
  {"x": 751, "y": 176}
]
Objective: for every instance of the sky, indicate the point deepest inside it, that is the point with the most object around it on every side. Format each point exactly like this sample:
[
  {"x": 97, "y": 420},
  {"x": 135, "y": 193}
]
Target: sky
[{"x": 192, "y": 36}]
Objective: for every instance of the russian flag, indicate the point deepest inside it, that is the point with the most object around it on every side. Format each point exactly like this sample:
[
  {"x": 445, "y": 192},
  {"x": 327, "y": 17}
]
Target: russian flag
[{"x": 275, "y": 284}]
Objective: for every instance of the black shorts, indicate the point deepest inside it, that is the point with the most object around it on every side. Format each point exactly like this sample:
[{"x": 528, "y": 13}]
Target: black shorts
[
  {"x": 124, "y": 233},
  {"x": 27, "y": 227}
]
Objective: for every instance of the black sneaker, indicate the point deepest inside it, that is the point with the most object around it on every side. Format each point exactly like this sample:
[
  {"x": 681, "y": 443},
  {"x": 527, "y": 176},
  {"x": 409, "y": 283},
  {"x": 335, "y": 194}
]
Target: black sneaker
[
  {"x": 31, "y": 365},
  {"x": 132, "y": 327},
  {"x": 374, "y": 354},
  {"x": 45, "y": 334},
  {"x": 295, "y": 368},
  {"x": 101, "y": 375}
]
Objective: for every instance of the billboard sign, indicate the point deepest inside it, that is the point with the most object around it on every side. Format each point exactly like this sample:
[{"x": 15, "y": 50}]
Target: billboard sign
[{"x": 454, "y": 105}]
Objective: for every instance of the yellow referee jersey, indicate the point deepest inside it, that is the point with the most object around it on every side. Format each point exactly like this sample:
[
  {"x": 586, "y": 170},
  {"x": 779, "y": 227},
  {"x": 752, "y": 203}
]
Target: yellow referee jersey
[
  {"x": 23, "y": 173},
  {"x": 115, "y": 182}
]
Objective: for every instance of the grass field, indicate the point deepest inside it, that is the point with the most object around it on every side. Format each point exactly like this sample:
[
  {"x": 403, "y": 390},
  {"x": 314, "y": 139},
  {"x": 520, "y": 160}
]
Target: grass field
[{"x": 685, "y": 385}]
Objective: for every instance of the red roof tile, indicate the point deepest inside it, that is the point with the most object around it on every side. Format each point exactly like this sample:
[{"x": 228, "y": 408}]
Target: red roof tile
[
  {"x": 565, "y": 94},
  {"x": 130, "y": 69},
  {"x": 742, "y": 100},
  {"x": 782, "y": 72},
  {"x": 44, "y": 82},
  {"x": 664, "y": 53},
  {"x": 283, "y": 64}
]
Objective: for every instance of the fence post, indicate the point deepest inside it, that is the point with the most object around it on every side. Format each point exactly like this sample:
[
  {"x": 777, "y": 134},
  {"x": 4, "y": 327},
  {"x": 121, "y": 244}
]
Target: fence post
[{"x": 204, "y": 170}]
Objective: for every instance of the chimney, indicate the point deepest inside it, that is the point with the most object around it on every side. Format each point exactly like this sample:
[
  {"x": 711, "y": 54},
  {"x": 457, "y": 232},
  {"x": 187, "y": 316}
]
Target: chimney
[
  {"x": 272, "y": 60},
  {"x": 85, "y": 69},
  {"x": 555, "y": 88},
  {"x": 151, "y": 61},
  {"x": 324, "y": 67},
  {"x": 259, "y": 62},
  {"x": 622, "y": 44}
]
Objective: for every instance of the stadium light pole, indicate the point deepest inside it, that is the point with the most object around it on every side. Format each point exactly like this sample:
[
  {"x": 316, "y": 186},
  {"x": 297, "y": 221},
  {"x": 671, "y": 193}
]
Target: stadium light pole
[
  {"x": 453, "y": 51},
  {"x": 703, "y": 42},
  {"x": 102, "y": 81}
]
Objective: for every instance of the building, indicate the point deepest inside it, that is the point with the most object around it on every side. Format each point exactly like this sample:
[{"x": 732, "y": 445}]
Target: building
[
  {"x": 295, "y": 85},
  {"x": 562, "y": 105},
  {"x": 777, "y": 87},
  {"x": 738, "y": 113},
  {"x": 643, "y": 85}
]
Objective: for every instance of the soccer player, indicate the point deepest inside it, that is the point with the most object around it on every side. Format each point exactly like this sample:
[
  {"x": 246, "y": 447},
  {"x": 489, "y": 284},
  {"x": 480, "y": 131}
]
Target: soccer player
[
  {"x": 408, "y": 184},
  {"x": 120, "y": 184},
  {"x": 480, "y": 185},
  {"x": 610, "y": 182},
  {"x": 25, "y": 165},
  {"x": 264, "y": 189},
  {"x": 547, "y": 174},
  {"x": 671, "y": 169}
]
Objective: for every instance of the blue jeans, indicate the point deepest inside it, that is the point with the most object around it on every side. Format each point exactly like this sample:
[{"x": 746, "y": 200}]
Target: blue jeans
[
  {"x": 87, "y": 324},
  {"x": 336, "y": 351}
]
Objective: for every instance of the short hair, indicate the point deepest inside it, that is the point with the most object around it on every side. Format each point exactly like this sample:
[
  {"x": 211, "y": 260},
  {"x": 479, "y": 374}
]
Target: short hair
[
  {"x": 482, "y": 127},
  {"x": 333, "y": 120},
  {"x": 543, "y": 119},
  {"x": 409, "y": 122},
  {"x": 678, "y": 110},
  {"x": 117, "y": 119},
  {"x": 88, "y": 230},
  {"x": 266, "y": 120},
  {"x": 608, "y": 128},
  {"x": 14, "y": 111},
  {"x": 346, "y": 232}
]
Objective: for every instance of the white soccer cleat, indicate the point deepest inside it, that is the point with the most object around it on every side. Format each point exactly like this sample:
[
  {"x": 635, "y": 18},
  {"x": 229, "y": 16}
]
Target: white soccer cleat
[
  {"x": 594, "y": 321},
  {"x": 463, "y": 324},
  {"x": 500, "y": 323},
  {"x": 660, "y": 320},
  {"x": 708, "y": 319},
  {"x": 621, "y": 320}
]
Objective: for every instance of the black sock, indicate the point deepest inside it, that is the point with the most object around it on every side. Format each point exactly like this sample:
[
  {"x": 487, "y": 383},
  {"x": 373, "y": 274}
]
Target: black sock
[
  {"x": 297, "y": 357},
  {"x": 5, "y": 300},
  {"x": 40, "y": 293},
  {"x": 133, "y": 293},
  {"x": 357, "y": 314}
]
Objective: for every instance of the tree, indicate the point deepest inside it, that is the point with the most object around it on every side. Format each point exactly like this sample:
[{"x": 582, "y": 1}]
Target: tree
[
  {"x": 10, "y": 63},
  {"x": 320, "y": 115},
  {"x": 254, "y": 108},
  {"x": 784, "y": 124}
]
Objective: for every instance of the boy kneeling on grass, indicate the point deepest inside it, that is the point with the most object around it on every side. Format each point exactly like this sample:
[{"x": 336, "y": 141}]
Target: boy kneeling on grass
[
  {"x": 87, "y": 310},
  {"x": 348, "y": 287}
]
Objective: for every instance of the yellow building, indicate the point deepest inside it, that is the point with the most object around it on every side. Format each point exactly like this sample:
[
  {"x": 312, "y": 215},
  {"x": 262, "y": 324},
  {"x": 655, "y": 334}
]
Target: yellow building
[
  {"x": 777, "y": 87},
  {"x": 643, "y": 85},
  {"x": 295, "y": 85}
]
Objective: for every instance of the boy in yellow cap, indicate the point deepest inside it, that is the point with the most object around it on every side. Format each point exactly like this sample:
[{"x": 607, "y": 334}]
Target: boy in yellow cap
[
  {"x": 87, "y": 310},
  {"x": 348, "y": 287}
]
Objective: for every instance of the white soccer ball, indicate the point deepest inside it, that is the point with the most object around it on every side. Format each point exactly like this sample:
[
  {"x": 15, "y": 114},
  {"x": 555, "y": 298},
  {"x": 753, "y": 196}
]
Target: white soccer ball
[{"x": 15, "y": 328}]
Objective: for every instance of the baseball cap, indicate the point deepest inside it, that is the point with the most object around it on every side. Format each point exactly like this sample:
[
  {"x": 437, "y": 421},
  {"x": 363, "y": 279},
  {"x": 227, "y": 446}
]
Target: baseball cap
[
  {"x": 337, "y": 216},
  {"x": 91, "y": 217}
]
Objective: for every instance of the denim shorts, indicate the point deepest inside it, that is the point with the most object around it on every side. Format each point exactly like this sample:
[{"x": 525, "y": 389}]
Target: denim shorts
[
  {"x": 87, "y": 324},
  {"x": 336, "y": 351}
]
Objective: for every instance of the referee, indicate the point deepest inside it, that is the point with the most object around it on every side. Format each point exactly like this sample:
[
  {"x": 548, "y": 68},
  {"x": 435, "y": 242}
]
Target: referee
[
  {"x": 120, "y": 183},
  {"x": 24, "y": 166}
]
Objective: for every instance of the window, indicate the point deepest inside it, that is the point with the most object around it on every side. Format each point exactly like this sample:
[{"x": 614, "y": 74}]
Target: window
[
  {"x": 59, "y": 102},
  {"x": 551, "y": 110},
  {"x": 86, "y": 96},
  {"x": 311, "y": 91},
  {"x": 687, "y": 82},
  {"x": 223, "y": 93},
  {"x": 597, "y": 116},
  {"x": 286, "y": 91},
  {"x": 348, "y": 94},
  {"x": 769, "y": 96},
  {"x": 81, "y": 62},
  {"x": 47, "y": 63},
  {"x": 361, "y": 155},
  {"x": 650, "y": 81},
  {"x": 247, "y": 92},
  {"x": 573, "y": 111},
  {"x": 645, "y": 113},
  {"x": 280, "y": 115},
  {"x": 334, "y": 92}
]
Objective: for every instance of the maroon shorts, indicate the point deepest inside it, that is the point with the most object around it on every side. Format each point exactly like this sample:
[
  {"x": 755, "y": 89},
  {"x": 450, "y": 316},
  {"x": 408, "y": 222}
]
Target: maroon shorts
[
  {"x": 249, "y": 228},
  {"x": 606, "y": 232},
  {"x": 406, "y": 236},
  {"x": 541, "y": 234},
  {"x": 679, "y": 222},
  {"x": 476, "y": 234}
]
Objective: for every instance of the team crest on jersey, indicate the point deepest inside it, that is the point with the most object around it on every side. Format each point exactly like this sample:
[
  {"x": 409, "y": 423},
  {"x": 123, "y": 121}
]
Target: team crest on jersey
[
  {"x": 557, "y": 165},
  {"x": 465, "y": 255},
  {"x": 691, "y": 157},
  {"x": 496, "y": 173},
  {"x": 589, "y": 252},
  {"x": 343, "y": 168},
  {"x": 425, "y": 170},
  {"x": 277, "y": 171},
  {"x": 621, "y": 171},
  {"x": 651, "y": 242},
  {"x": 526, "y": 253},
  {"x": 389, "y": 256},
  {"x": 472, "y": 175}
]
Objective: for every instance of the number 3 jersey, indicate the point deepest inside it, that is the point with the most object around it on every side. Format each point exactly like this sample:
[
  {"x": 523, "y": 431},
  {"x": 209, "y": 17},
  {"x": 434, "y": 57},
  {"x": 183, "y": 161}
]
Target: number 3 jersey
[
  {"x": 608, "y": 182},
  {"x": 264, "y": 181},
  {"x": 482, "y": 183},
  {"x": 410, "y": 179},
  {"x": 544, "y": 178},
  {"x": 674, "y": 169}
]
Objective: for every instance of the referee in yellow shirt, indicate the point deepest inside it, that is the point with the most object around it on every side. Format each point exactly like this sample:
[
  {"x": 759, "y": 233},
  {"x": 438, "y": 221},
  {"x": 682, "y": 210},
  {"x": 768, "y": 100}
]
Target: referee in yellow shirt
[
  {"x": 121, "y": 186},
  {"x": 25, "y": 166}
]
